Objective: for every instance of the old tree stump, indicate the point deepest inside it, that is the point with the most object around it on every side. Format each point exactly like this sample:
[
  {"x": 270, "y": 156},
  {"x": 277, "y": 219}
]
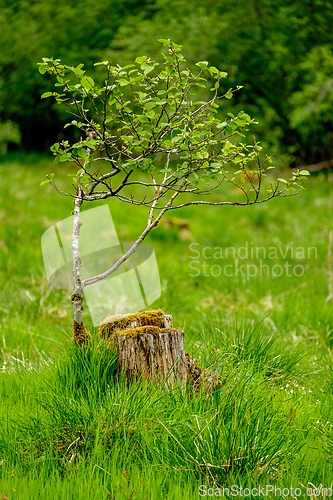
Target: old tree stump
[{"x": 146, "y": 345}]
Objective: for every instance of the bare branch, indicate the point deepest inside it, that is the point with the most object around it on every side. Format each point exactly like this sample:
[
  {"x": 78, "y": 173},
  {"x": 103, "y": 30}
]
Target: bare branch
[{"x": 150, "y": 226}]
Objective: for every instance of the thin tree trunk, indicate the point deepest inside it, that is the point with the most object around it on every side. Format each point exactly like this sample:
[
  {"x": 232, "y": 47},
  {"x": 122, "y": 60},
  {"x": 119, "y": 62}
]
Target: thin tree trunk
[
  {"x": 80, "y": 335},
  {"x": 77, "y": 295}
]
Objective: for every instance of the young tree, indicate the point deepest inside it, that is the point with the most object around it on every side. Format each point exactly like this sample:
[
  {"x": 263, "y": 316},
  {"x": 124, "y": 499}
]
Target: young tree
[{"x": 146, "y": 120}]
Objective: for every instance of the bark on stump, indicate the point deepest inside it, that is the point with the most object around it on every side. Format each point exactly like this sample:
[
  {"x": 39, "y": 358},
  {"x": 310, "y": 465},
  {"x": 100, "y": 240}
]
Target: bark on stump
[{"x": 147, "y": 346}]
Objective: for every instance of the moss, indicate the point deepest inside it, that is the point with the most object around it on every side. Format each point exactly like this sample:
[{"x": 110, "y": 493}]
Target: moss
[
  {"x": 80, "y": 335},
  {"x": 121, "y": 321},
  {"x": 139, "y": 330}
]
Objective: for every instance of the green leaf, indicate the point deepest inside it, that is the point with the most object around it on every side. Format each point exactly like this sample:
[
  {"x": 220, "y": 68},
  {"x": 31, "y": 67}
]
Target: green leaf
[
  {"x": 78, "y": 71},
  {"x": 140, "y": 60},
  {"x": 44, "y": 182},
  {"x": 150, "y": 105},
  {"x": 143, "y": 119},
  {"x": 46, "y": 94},
  {"x": 216, "y": 86},
  {"x": 55, "y": 147},
  {"x": 42, "y": 68},
  {"x": 221, "y": 125},
  {"x": 146, "y": 68},
  {"x": 202, "y": 64},
  {"x": 82, "y": 153},
  {"x": 84, "y": 179},
  {"x": 164, "y": 41},
  {"x": 229, "y": 95},
  {"x": 75, "y": 123},
  {"x": 304, "y": 172},
  {"x": 87, "y": 83},
  {"x": 123, "y": 82},
  {"x": 283, "y": 180}
]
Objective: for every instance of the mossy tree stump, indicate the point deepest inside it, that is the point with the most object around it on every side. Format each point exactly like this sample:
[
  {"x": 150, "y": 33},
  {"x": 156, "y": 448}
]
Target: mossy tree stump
[{"x": 147, "y": 346}]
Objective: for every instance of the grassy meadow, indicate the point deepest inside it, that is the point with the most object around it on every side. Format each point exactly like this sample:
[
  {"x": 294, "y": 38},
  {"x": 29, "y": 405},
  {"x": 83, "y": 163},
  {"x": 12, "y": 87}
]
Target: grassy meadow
[{"x": 248, "y": 284}]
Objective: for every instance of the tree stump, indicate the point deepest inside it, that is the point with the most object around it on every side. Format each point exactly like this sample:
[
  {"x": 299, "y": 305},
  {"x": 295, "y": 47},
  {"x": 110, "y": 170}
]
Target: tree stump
[{"x": 147, "y": 346}]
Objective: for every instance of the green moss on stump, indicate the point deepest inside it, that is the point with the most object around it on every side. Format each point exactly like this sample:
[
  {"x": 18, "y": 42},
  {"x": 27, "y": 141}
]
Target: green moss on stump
[
  {"x": 149, "y": 320},
  {"x": 139, "y": 330}
]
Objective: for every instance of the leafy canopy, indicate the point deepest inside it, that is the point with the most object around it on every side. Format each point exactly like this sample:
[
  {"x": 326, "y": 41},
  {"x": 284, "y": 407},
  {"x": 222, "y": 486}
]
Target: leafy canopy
[{"x": 142, "y": 113}]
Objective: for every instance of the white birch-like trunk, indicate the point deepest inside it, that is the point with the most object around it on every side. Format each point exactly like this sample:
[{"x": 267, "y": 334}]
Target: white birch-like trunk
[
  {"x": 80, "y": 335},
  {"x": 77, "y": 295}
]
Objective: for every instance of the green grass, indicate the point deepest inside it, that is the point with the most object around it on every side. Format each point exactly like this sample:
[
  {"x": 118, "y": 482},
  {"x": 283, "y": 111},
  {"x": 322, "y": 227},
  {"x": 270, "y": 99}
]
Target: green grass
[{"x": 69, "y": 429}]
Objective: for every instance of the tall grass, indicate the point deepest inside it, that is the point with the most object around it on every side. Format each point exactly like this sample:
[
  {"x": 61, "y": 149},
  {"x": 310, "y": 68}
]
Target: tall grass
[{"x": 69, "y": 428}]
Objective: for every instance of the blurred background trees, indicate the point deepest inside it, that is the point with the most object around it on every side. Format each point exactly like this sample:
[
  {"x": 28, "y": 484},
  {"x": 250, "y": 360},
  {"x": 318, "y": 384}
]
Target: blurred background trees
[{"x": 280, "y": 51}]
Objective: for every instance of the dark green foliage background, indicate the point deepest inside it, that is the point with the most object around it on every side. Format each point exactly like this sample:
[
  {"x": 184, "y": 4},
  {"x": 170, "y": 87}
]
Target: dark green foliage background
[{"x": 282, "y": 52}]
